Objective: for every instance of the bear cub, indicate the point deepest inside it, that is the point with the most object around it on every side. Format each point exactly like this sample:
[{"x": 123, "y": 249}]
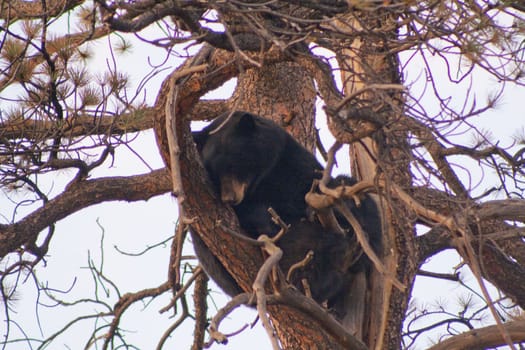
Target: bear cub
[{"x": 254, "y": 164}]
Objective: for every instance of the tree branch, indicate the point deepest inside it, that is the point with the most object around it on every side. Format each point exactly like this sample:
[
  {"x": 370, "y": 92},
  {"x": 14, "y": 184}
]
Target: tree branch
[
  {"x": 78, "y": 196},
  {"x": 86, "y": 125},
  {"x": 12, "y": 10},
  {"x": 484, "y": 338},
  {"x": 505, "y": 209}
]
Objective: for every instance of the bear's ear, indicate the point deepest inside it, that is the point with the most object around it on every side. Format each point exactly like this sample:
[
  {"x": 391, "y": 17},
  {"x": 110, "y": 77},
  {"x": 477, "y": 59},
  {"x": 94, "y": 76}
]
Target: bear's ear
[
  {"x": 246, "y": 123},
  {"x": 199, "y": 137}
]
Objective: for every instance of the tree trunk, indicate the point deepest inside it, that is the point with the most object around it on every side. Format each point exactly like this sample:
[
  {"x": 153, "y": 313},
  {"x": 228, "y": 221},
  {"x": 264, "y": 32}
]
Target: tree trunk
[
  {"x": 295, "y": 329},
  {"x": 365, "y": 61},
  {"x": 284, "y": 93}
]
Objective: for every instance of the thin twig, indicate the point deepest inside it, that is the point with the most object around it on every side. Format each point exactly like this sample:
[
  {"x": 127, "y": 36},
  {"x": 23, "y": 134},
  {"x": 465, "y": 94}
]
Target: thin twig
[
  {"x": 235, "y": 302},
  {"x": 301, "y": 264},
  {"x": 198, "y": 270},
  {"x": 274, "y": 256}
]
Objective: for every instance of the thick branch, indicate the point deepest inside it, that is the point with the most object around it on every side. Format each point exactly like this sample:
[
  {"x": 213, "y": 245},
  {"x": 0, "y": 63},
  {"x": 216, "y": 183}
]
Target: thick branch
[
  {"x": 491, "y": 225},
  {"x": 208, "y": 217},
  {"x": 293, "y": 298},
  {"x": 78, "y": 196},
  {"x": 195, "y": 196},
  {"x": 77, "y": 126},
  {"x": 498, "y": 268},
  {"x": 200, "y": 294},
  {"x": 187, "y": 15},
  {"x": 484, "y": 338},
  {"x": 506, "y": 209},
  {"x": 19, "y": 9},
  {"x": 86, "y": 125}
]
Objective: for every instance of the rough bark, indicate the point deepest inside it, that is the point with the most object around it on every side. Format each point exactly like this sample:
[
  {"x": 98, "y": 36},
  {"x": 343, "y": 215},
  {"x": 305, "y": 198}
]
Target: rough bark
[
  {"x": 483, "y": 338},
  {"x": 366, "y": 63},
  {"x": 282, "y": 92},
  {"x": 195, "y": 196}
]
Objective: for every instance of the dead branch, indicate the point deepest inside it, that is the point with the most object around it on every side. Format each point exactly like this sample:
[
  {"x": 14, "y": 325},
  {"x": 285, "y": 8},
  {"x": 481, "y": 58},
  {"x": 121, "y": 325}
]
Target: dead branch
[
  {"x": 337, "y": 108},
  {"x": 235, "y": 302},
  {"x": 484, "y": 338},
  {"x": 182, "y": 291},
  {"x": 177, "y": 243},
  {"x": 200, "y": 293},
  {"x": 444, "y": 276},
  {"x": 277, "y": 219},
  {"x": 323, "y": 204},
  {"x": 506, "y": 209},
  {"x": 299, "y": 265},
  {"x": 182, "y": 317},
  {"x": 125, "y": 302},
  {"x": 240, "y": 236},
  {"x": 271, "y": 263},
  {"x": 78, "y": 196},
  {"x": 437, "y": 151}
]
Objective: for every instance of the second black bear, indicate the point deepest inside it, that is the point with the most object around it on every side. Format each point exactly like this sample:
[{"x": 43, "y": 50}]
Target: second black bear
[{"x": 254, "y": 164}]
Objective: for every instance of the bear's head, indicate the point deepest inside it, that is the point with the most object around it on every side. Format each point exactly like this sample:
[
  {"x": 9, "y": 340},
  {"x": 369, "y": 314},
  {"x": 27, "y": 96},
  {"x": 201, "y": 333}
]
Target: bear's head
[{"x": 238, "y": 150}]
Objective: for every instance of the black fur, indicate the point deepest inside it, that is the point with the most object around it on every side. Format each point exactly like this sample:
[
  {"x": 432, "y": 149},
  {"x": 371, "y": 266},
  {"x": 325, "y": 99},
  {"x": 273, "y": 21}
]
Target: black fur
[
  {"x": 276, "y": 169},
  {"x": 254, "y": 165}
]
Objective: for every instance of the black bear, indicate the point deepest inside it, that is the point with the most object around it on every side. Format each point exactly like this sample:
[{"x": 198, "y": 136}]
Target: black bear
[{"x": 254, "y": 164}]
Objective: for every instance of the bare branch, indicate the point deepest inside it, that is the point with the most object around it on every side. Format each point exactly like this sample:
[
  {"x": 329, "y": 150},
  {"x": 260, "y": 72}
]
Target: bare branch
[
  {"x": 484, "y": 338},
  {"x": 200, "y": 292},
  {"x": 124, "y": 303},
  {"x": 78, "y": 196},
  {"x": 238, "y": 300},
  {"x": 271, "y": 262},
  {"x": 506, "y": 209}
]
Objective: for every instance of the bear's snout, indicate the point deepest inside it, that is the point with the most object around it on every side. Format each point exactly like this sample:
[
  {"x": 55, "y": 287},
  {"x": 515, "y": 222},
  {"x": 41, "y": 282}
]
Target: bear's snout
[{"x": 232, "y": 190}]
